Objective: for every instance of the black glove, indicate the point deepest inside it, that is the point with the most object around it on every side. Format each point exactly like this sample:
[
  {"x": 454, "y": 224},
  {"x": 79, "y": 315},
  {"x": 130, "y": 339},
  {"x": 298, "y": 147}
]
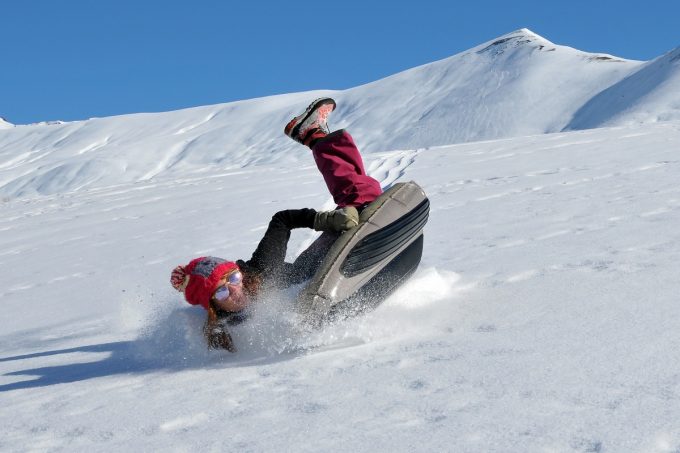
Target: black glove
[{"x": 338, "y": 220}]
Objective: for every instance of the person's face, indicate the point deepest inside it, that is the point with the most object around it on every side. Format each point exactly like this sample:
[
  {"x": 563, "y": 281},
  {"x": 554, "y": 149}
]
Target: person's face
[{"x": 237, "y": 299}]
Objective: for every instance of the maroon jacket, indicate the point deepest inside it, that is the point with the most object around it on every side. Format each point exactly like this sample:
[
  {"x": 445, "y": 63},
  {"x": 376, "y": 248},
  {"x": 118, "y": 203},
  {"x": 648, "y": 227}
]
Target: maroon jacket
[{"x": 340, "y": 163}]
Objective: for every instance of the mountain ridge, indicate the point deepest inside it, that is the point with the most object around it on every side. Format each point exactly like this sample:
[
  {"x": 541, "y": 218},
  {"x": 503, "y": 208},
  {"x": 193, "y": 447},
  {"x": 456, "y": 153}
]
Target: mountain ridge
[
  {"x": 513, "y": 85},
  {"x": 642, "y": 97}
]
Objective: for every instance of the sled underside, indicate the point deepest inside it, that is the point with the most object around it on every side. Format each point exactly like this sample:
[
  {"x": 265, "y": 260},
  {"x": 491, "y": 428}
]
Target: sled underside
[{"x": 369, "y": 261}]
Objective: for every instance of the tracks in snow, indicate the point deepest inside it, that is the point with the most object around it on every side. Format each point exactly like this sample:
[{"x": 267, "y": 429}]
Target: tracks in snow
[{"x": 388, "y": 169}]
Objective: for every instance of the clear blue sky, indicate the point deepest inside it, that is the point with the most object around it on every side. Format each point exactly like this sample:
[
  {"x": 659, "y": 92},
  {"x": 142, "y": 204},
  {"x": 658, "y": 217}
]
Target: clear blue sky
[{"x": 77, "y": 59}]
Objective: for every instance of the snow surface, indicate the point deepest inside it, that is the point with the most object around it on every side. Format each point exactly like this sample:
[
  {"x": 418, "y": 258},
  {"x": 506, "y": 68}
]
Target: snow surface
[
  {"x": 543, "y": 316},
  {"x": 518, "y": 84},
  {"x": 646, "y": 96}
]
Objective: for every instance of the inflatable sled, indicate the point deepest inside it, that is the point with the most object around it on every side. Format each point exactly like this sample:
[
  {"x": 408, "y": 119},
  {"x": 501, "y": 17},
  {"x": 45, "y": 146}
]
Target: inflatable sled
[{"x": 366, "y": 263}]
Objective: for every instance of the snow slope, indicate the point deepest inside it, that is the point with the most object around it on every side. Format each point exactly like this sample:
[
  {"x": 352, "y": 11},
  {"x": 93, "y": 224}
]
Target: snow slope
[
  {"x": 650, "y": 94},
  {"x": 517, "y": 84},
  {"x": 543, "y": 316}
]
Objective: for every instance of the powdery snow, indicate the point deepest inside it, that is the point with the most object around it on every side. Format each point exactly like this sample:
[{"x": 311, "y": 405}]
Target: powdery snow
[{"x": 542, "y": 317}]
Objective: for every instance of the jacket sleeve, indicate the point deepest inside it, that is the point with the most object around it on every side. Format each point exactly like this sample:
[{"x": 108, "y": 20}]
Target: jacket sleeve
[{"x": 268, "y": 258}]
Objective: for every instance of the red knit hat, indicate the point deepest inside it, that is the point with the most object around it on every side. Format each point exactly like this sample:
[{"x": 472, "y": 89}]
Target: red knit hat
[{"x": 199, "y": 279}]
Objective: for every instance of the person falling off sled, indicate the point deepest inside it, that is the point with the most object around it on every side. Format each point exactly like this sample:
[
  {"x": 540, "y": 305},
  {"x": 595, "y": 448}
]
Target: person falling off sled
[{"x": 226, "y": 288}]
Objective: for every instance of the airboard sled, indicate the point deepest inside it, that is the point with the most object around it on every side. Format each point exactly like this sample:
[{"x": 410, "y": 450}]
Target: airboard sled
[{"x": 366, "y": 263}]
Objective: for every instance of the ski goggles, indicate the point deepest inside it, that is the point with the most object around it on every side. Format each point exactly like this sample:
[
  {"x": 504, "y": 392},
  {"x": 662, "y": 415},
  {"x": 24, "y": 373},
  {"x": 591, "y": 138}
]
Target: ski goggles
[{"x": 222, "y": 293}]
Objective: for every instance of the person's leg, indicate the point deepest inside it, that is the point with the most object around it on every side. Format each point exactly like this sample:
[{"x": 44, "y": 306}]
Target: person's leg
[
  {"x": 336, "y": 155},
  {"x": 342, "y": 167}
]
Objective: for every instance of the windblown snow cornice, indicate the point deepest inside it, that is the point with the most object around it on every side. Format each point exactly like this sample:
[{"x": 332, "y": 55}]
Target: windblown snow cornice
[
  {"x": 4, "y": 124},
  {"x": 515, "y": 85}
]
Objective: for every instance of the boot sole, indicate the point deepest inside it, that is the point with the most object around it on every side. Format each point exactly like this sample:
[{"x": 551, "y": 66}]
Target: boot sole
[{"x": 293, "y": 127}]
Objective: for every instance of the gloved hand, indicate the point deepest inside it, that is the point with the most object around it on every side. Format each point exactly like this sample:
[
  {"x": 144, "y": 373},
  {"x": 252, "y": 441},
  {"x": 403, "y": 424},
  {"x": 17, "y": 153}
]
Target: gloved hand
[
  {"x": 338, "y": 220},
  {"x": 218, "y": 337}
]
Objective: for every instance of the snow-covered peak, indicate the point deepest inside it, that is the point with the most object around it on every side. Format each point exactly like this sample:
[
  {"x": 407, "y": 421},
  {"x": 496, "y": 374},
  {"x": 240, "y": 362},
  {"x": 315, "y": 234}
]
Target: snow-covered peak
[
  {"x": 526, "y": 40},
  {"x": 517, "y": 84},
  {"x": 518, "y": 38}
]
